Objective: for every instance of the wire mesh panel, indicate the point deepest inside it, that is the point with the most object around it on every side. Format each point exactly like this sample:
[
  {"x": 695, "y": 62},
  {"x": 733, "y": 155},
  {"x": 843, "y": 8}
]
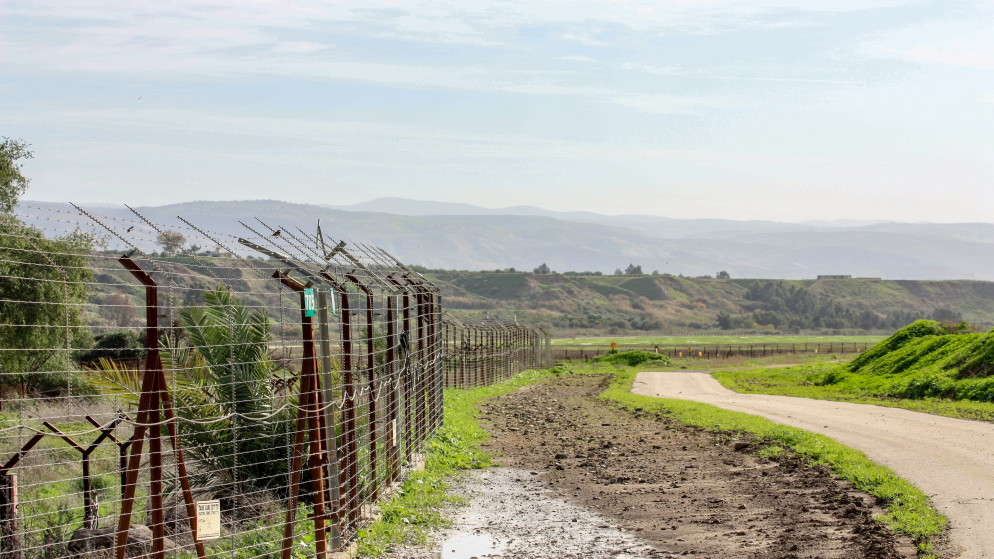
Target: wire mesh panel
[
  {"x": 169, "y": 390},
  {"x": 483, "y": 351}
]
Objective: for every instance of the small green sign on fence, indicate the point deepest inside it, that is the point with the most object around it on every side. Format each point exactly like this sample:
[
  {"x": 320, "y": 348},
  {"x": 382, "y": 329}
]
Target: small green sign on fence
[{"x": 309, "y": 306}]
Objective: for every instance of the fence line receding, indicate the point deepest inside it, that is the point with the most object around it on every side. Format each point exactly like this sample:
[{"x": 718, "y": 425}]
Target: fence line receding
[
  {"x": 483, "y": 351},
  {"x": 170, "y": 390}
]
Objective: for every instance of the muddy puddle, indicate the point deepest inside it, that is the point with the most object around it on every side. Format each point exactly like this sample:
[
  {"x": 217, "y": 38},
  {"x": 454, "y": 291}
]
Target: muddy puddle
[{"x": 511, "y": 514}]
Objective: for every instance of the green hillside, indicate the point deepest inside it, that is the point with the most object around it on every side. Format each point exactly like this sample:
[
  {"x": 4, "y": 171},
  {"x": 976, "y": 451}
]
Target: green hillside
[
  {"x": 593, "y": 304},
  {"x": 666, "y": 303},
  {"x": 922, "y": 360}
]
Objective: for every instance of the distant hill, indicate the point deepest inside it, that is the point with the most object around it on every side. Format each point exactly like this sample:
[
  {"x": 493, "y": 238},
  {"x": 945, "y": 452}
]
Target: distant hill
[
  {"x": 665, "y": 303},
  {"x": 466, "y": 237}
]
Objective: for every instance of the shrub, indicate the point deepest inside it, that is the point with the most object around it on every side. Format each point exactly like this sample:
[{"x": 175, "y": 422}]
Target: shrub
[
  {"x": 119, "y": 345},
  {"x": 633, "y": 358}
]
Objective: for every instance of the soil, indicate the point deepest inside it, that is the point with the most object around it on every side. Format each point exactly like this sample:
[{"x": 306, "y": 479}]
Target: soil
[
  {"x": 668, "y": 488},
  {"x": 511, "y": 514},
  {"x": 947, "y": 458}
]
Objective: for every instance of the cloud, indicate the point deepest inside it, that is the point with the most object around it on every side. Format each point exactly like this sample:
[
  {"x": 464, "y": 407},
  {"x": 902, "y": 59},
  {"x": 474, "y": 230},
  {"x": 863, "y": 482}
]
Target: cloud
[
  {"x": 981, "y": 58},
  {"x": 298, "y": 47},
  {"x": 656, "y": 70},
  {"x": 963, "y": 39},
  {"x": 673, "y": 105},
  {"x": 357, "y": 41},
  {"x": 583, "y": 39},
  {"x": 583, "y": 59}
]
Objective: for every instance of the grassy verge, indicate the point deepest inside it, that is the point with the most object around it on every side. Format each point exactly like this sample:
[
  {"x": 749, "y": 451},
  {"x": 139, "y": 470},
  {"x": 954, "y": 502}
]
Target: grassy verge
[
  {"x": 735, "y": 362},
  {"x": 417, "y": 509},
  {"x": 712, "y": 341},
  {"x": 908, "y": 509},
  {"x": 801, "y": 381}
]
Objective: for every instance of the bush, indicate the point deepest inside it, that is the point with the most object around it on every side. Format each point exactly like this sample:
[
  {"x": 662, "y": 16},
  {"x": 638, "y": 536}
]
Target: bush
[
  {"x": 633, "y": 358},
  {"x": 58, "y": 376},
  {"x": 119, "y": 345}
]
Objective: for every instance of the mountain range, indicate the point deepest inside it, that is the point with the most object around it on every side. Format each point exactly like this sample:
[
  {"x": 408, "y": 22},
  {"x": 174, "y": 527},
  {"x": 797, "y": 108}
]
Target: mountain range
[{"x": 466, "y": 237}]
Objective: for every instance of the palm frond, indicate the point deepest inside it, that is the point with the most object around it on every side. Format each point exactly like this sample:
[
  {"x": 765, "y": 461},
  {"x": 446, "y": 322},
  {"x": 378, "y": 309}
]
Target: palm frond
[{"x": 120, "y": 381}]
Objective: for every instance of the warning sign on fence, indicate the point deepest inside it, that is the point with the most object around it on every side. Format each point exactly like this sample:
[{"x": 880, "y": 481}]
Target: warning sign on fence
[{"x": 208, "y": 520}]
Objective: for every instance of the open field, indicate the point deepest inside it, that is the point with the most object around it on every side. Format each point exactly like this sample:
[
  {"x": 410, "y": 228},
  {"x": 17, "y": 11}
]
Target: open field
[
  {"x": 667, "y": 341},
  {"x": 738, "y": 349},
  {"x": 664, "y": 304},
  {"x": 923, "y": 367}
]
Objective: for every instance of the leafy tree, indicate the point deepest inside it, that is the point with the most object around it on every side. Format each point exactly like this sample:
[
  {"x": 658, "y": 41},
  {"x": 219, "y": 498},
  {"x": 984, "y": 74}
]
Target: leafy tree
[
  {"x": 543, "y": 269},
  {"x": 723, "y": 275},
  {"x": 724, "y": 321},
  {"x": 119, "y": 345},
  {"x": 944, "y": 314},
  {"x": 633, "y": 270},
  {"x": 42, "y": 281},
  {"x": 171, "y": 241},
  {"x": 869, "y": 320},
  {"x": 12, "y": 182}
]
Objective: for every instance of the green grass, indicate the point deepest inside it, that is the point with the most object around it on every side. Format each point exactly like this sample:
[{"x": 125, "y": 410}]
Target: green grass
[
  {"x": 713, "y": 340},
  {"x": 734, "y": 362},
  {"x": 924, "y": 360},
  {"x": 922, "y": 367},
  {"x": 635, "y": 358},
  {"x": 417, "y": 509},
  {"x": 800, "y": 382},
  {"x": 908, "y": 509}
]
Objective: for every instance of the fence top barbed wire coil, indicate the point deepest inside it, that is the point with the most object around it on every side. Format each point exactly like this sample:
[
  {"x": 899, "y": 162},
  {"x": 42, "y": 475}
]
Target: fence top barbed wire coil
[
  {"x": 112, "y": 299},
  {"x": 161, "y": 265}
]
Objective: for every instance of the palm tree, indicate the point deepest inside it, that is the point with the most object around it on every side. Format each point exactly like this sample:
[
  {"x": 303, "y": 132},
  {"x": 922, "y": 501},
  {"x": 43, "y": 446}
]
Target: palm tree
[
  {"x": 232, "y": 426},
  {"x": 245, "y": 439}
]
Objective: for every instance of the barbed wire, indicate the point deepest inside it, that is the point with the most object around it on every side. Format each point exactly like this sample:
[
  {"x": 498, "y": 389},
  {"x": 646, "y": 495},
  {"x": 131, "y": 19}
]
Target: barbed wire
[{"x": 256, "y": 385}]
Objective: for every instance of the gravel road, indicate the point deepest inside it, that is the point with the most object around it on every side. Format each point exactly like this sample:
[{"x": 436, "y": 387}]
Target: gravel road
[{"x": 950, "y": 459}]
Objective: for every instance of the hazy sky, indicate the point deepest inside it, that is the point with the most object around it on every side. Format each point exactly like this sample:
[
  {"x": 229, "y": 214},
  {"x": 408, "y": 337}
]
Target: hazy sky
[{"x": 879, "y": 109}]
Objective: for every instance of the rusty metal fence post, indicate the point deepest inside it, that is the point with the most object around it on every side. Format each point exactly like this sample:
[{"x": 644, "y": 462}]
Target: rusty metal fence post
[
  {"x": 345, "y": 408},
  {"x": 10, "y": 542},
  {"x": 309, "y": 423},
  {"x": 481, "y": 352},
  {"x": 155, "y": 403}
]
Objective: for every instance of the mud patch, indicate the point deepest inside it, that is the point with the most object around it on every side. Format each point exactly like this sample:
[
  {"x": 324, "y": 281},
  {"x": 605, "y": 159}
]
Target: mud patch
[
  {"x": 679, "y": 489},
  {"x": 511, "y": 514}
]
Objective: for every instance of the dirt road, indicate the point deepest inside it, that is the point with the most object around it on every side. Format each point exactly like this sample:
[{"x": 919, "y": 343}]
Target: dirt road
[
  {"x": 950, "y": 459},
  {"x": 578, "y": 470}
]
